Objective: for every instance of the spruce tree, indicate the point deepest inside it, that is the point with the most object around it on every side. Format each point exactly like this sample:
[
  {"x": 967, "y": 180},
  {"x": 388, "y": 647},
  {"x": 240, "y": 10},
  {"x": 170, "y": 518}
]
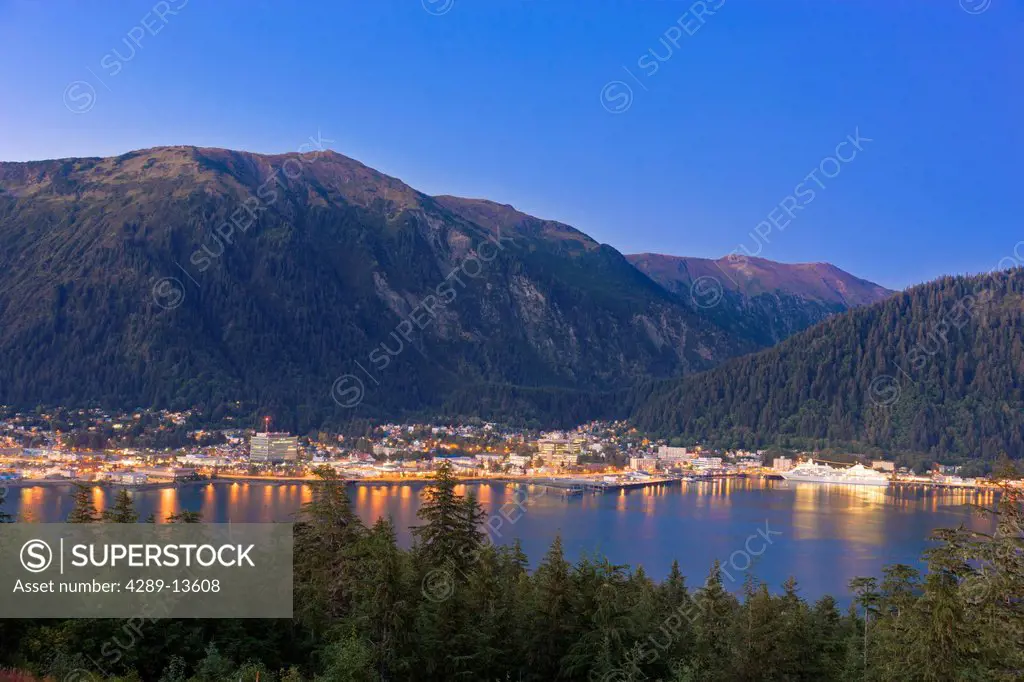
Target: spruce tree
[
  {"x": 552, "y": 622},
  {"x": 673, "y": 636},
  {"x": 123, "y": 509},
  {"x": 760, "y": 623},
  {"x": 382, "y": 601},
  {"x": 84, "y": 511},
  {"x": 326, "y": 551},
  {"x": 830, "y": 631},
  {"x": 796, "y": 639},
  {"x": 484, "y": 643},
  {"x": 866, "y": 589},
  {"x": 714, "y": 650},
  {"x": 603, "y": 598},
  {"x": 449, "y": 544},
  {"x": 444, "y": 539}
]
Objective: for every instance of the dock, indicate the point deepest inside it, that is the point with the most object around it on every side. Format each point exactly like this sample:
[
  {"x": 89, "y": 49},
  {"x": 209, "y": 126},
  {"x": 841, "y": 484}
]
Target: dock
[{"x": 578, "y": 486}]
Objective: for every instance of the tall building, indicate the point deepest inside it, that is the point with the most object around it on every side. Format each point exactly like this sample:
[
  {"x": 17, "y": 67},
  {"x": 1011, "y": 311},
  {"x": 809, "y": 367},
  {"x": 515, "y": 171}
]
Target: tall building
[
  {"x": 273, "y": 447},
  {"x": 559, "y": 451}
]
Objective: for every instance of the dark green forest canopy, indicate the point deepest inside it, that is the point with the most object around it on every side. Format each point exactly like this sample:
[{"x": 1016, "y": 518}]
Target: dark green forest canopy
[{"x": 937, "y": 369}]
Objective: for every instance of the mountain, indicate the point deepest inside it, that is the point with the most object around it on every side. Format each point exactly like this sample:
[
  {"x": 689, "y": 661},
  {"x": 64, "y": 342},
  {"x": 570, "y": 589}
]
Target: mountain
[
  {"x": 760, "y": 299},
  {"x": 938, "y": 369},
  {"x": 318, "y": 289}
]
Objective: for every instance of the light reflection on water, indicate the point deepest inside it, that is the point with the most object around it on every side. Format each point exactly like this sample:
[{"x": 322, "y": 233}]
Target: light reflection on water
[{"x": 829, "y": 533}]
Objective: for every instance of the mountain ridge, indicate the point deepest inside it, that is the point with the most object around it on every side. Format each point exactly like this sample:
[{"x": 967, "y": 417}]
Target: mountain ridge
[
  {"x": 188, "y": 275},
  {"x": 756, "y": 298},
  {"x": 750, "y": 275}
]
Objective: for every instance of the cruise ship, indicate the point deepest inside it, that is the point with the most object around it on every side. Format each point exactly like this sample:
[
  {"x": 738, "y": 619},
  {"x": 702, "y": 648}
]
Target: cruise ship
[{"x": 823, "y": 473}]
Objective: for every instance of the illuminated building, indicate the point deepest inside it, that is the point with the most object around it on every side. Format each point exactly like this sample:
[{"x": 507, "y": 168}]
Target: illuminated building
[
  {"x": 643, "y": 463},
  {"x": 273, "y": 447}
]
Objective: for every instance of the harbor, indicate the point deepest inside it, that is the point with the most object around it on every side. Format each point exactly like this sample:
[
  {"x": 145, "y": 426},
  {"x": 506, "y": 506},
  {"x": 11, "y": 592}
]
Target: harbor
[{"x": 579, "y": 486}]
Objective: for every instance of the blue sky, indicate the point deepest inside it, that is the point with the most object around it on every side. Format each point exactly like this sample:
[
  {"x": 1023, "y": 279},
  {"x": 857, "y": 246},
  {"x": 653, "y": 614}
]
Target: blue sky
[{"x": 510, "y": 99}]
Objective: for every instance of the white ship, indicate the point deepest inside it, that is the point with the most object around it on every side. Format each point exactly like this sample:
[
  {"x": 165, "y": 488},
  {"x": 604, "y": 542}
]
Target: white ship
[{"x": 823, "y": 473}]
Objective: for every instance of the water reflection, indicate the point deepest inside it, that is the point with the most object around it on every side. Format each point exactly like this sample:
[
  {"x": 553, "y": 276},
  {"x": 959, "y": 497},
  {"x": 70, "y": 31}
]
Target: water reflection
[
  {"x": 825, "y": 534},
  {"x": 168, "y": 504}
]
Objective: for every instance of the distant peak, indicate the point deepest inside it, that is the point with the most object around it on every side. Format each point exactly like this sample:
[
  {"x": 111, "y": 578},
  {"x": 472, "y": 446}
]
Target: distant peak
[{"x": 751, "y": 275}]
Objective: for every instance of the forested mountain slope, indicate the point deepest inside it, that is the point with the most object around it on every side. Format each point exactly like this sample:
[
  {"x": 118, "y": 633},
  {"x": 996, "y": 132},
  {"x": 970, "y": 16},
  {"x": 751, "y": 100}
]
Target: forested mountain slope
[
  {"x": 182, "y": 276},
  {"x": 936, "y": 369}
]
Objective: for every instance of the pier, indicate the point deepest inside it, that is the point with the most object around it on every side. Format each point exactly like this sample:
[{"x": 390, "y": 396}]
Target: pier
[{"x": 578, "y": 486}]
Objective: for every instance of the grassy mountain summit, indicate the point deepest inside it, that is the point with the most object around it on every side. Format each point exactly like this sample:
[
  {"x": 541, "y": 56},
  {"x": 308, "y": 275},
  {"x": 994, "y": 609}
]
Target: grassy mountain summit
[
  {"x": 936, "y": 369},
  {"x": 182, "y": 276},
  {"x": 757, "y": 298}
]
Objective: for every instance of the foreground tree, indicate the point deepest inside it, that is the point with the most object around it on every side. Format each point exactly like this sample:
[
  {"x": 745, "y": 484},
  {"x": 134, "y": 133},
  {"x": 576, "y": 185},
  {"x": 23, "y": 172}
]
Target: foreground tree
[
  {"x": 185, "y": 516},
  {"x": 973, "y": 602},
  {"x": 123, "y": 509},
  {"x": 327, "y": 553},
  {"x": 84, "y": 510},
  {"x": 552, "y": 620},
  {"x": 383, "y": 600},
  {"x": 714, "y": 622},
  {"x": 450, "y": 535}
]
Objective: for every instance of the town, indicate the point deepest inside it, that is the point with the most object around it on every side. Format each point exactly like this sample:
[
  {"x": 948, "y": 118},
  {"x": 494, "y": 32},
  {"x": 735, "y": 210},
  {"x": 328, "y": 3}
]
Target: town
[{"x": 160, "y": 447}]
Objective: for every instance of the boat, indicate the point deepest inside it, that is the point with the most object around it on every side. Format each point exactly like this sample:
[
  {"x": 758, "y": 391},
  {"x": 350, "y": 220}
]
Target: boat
[{"x": 858, "y": 474}]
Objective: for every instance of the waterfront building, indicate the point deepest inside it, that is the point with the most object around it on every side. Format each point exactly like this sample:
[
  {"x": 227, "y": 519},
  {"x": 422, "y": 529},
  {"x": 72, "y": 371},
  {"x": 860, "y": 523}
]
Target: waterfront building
[
  {"x": 677, "y": 455},
  {"x": 463, "y": 464},
  {"x": 167, "y": 473},
  {"x": 519, "y": 461},
  {"x": 707, "y": 462},
  {"x": 643, "y": 463},
  {"x": 128, "y": 477},
  {"x": 273, "y": 447},
  {"x": 882, "y": 465},
  {"x": 952, "y": 480},
  {"x": 782, "y": 464}
]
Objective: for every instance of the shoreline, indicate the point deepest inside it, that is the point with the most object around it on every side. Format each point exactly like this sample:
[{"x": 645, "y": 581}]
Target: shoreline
[{"x": 546, "y": 481}]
